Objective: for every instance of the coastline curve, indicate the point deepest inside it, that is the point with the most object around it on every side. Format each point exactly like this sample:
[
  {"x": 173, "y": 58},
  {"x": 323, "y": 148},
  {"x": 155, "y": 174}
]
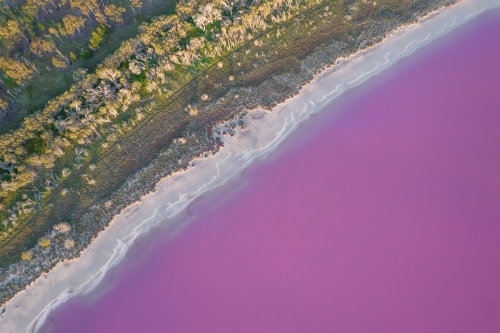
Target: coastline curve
[{"x": 175, "y": 193}]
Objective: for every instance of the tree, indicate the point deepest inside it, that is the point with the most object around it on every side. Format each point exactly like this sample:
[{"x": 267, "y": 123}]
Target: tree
[
  {"x": 41, "y": 46},
  {"x": 58, "y": 31},
  {"x": 30, "y": 8},
  {"x": 12, "y": 33},
  {"x": 136, "y": 5},
  {"x": 110, "y": 74},
  {"x": 58, "y": 62},
  {"x": 79, "y": 74},
  {"x": 30, "y": 64},
  {"x": 73, "y": 23},
  {"x": 15, "y": 69},
  {"x": 86, "y": 7},
  {"x": 114, "y": 13},
  {"x": 98, "y": 37}
]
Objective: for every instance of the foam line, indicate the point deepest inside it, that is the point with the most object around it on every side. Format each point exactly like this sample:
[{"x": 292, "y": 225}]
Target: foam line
[{"x": 263, "y": 132}]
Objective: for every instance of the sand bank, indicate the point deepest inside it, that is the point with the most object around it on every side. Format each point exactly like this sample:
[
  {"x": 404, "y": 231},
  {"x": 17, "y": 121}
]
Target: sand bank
[{"x": 263, "y": 132}]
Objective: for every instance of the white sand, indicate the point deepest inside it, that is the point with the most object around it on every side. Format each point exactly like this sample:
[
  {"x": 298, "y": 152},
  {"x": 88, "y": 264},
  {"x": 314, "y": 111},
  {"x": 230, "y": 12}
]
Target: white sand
[{"x": 263, "y": 132}]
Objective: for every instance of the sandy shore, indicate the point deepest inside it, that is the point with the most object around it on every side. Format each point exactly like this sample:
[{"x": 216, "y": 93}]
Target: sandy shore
[{"x": 263, "y": 132}]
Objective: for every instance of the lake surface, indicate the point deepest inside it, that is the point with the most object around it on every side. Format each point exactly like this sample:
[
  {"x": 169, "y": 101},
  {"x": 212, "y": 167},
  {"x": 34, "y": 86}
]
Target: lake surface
[{"x": 380, "y": 214}]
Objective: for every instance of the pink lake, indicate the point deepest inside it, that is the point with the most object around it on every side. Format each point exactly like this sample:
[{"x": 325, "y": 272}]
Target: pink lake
[{"x": 382, "y": 218}]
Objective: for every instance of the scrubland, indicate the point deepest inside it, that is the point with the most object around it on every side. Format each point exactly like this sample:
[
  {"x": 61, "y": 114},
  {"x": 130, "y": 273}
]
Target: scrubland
[{"x": 92, "y": 131}]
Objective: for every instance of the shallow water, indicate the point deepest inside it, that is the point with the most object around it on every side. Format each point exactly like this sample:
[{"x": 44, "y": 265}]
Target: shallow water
[{"x": 384, "y": 218}]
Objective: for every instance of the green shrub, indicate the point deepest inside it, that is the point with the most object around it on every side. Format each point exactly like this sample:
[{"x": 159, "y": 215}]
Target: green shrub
[
  {"x": 98, "y": 37},
  {"x": 9, "y": 82},
  {"x": 86, "y": 54},
  {"x": 44, "y": 242}
]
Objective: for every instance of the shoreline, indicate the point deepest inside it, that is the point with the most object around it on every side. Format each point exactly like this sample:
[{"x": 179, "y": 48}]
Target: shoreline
[
  {"x": 147, "y": 203},
  {"x": 386, "y": 146}
]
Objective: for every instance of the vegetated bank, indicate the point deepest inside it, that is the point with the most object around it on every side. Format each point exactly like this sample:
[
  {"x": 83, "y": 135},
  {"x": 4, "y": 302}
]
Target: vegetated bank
[
  {"x": 170, "y": 103},
  {"x": 42, "y": 43}
]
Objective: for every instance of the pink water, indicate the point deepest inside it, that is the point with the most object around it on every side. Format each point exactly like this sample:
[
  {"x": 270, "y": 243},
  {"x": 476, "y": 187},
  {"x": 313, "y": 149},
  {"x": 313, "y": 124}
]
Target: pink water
[{"x": 385, "y": 219}]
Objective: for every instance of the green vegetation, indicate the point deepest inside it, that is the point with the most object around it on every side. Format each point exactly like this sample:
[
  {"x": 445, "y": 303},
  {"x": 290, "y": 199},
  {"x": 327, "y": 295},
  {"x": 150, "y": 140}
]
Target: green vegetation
[
  {"x": 105, "y": 123},
  {"x": 76, "y": 126},
  {"x": 98, "y": 37},
  {"x": 37, "y": 39},
  {"x": 86, "y": 54}
]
